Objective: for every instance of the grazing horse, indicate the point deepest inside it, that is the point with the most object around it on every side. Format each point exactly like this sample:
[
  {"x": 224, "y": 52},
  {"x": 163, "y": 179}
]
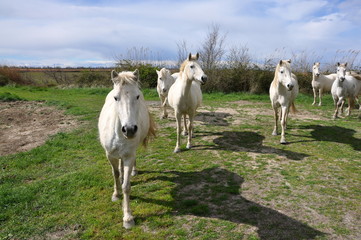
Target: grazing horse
[
  {"x": 185, "y": 95},
  {"x": 346, "y": 86},
  {"x": 283, "y": 92},
  {"x": 124, "y": 123},
  {"x": 320, "y": 82},
  {"x": 164, "y": 82}
]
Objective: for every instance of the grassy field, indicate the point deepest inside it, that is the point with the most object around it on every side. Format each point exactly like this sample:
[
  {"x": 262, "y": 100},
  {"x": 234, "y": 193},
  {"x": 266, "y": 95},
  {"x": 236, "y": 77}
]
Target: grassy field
[{"x": 237, "y": 182}]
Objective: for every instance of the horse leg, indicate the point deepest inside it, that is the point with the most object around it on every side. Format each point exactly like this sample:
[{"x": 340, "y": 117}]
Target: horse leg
[
  {"x": 185, "y": 129},
  {"x": 283, "y": 124},
  {"x": 164, "y": 107},
  {"x": 117, "y": 175},
  {"x": 320, "y": 96},
  {"x": 134, "y": 170},
  {"x": 190, "y": 131},
  {"x": 128, "y": 219},
  {"x": 274, "y": 133},
  {"x": 314, "y": 96},
  {"x": 179, "y": 129},
  {"x": 338, "y": 103}
]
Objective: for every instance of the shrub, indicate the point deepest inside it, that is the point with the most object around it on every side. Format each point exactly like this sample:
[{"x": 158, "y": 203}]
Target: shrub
[
  {"x": 91, "y": 78},
  {"x": 11, "y": 75}
]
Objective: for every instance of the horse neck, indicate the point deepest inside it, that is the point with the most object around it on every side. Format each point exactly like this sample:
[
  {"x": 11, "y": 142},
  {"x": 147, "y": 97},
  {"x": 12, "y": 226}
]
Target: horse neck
[{"x": 186, "y": 84}]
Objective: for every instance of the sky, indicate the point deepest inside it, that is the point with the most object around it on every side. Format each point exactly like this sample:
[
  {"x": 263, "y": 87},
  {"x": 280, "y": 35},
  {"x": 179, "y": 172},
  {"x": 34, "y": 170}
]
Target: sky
[{"x": 96, "y": 32}]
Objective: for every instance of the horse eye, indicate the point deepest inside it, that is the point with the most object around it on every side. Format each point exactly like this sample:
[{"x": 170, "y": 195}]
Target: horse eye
[
  {"x": 281, "y": 71},
  {"x": 192, "y": 66},
  {"x": 137, "y": 97},
  {"x": 116, "y": 99}
]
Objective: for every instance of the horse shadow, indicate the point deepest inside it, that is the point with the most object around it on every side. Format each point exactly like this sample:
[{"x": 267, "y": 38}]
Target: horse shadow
[
  {"x": 335, "y": 134},
  {"x": 216, "y": 193},
  {"x": 213, "y": 118},
  {"x": 247, "y": 141}
]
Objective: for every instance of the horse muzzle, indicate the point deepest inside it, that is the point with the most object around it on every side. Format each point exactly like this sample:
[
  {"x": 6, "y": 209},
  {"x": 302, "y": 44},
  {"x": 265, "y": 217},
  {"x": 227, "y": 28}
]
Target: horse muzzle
[
  {"x": 204, "y": 79},
  {"x": 129, "y": 131},
  {"x": 290, "y": 87}
]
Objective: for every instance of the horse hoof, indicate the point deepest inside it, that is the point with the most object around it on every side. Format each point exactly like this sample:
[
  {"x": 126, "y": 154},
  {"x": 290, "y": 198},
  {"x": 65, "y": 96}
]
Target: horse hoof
[
  {"x": 176, "y": 150},
  {"x": 115, "y": 198},
  {"x": 189, "y": 146},
  {"x": 283, "y": 142},
  {"x": 128, "y": 224},
  {"x": 274, "y": 134},
  {"x": 184, "y": 133},
  {"x": 134, "y": 172}
]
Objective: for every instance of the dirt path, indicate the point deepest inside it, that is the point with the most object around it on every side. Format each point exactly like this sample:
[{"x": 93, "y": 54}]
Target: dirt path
[{"x": 26, "y": 125}]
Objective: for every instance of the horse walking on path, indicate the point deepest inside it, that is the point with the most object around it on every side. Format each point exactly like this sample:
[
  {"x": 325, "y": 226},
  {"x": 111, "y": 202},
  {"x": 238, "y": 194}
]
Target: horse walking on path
[
  {"x": 124, "y": 123},
  {"x": 164, "y": 82},
  {"x": 185, "y": 96},
  {"x": 283, "y": 92},
  {"x": 346, "y": 86},
  {"x": 321, "y": 83}
]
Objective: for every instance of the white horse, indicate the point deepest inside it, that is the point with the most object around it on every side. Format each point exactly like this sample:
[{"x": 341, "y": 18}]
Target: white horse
[
  {"x": 124, "y": 123},
  {"x": 320, "y": 82},
  {"x": 164, "y": 82},
  {"x": 346, "y": 86},
  {"x": 185, "y": 95},
  {"x": 283, "y": 92}
]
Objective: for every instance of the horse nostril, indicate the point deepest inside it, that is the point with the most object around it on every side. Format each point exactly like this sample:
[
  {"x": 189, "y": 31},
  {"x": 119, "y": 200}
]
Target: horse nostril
[
  {"x": 124, "y": 130},
  {"x": 135, "y": 128}
]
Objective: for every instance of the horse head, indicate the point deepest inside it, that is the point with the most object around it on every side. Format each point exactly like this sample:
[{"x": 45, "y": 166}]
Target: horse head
[
  {"x": 316, "y": 69},
  {"x": 341, "y": 71},
  {"x": 165, "y": 80},
  {"x": 193, "y": 70},
  {"x": 284, "y": 74},
  {"x": 127, "y": 97}
]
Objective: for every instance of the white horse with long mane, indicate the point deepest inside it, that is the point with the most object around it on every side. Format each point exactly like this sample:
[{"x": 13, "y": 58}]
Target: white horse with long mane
[
  {"x": 283, "y": 92},
  {"x": 164, "y": 82},
  {"x": 321, "y": 83},
  {"x": 346, "y": 86},
  {"x": 124, "y": 123},
  {"x": 185, "y": 96}
]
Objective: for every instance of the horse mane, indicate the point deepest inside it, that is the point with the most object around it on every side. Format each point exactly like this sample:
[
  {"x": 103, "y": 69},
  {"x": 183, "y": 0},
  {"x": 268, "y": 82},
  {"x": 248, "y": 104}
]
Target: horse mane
[
  {"x": 126, "y": 78},
  {"x": 151, "y": 131}
]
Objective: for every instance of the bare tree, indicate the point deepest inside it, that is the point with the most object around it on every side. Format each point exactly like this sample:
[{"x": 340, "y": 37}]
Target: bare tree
[
  {"x": 182, "y": 51},
  {"x": 212, "y": 49},
  {"x": 239, "y": 57}
]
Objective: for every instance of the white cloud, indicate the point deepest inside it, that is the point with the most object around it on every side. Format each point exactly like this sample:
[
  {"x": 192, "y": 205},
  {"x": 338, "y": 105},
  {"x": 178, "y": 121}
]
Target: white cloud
[{"x": 70, "y": 32}]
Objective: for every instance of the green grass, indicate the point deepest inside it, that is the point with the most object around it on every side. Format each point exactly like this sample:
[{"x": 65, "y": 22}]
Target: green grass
[{"x": 237, "y": 183}]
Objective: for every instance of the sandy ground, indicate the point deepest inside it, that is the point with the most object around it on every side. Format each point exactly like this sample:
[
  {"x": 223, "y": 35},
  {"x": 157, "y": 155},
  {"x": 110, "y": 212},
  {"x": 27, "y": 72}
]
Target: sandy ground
[{"x": 25, "y": 125}]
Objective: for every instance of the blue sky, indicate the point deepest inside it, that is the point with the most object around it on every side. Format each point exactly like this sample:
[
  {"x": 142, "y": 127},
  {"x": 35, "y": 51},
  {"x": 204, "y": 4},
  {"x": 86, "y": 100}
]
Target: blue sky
[{"x": 86, "y": 33}]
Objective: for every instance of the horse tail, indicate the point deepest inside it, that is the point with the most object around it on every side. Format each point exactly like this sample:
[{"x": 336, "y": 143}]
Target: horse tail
[
  {"x": 151, "y": 131},
  {"x": 293, "y": 108}
]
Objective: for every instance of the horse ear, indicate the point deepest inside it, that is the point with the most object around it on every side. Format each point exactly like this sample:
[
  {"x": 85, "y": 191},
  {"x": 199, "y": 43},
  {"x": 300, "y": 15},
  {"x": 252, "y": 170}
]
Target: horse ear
[
  {"x": 197, "y": 56},
  {"x": 280, "y": 63},
  {"x": 345, "y": 64},
  {"x": 338, "y": 64},
  {"x": 190, "y": 57},
  {"x": 157, "y": 71},
  {"x": 289, "y": 60},
  {"x": 113, "y": 74},
  {"x": 136, "y": 74}
]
